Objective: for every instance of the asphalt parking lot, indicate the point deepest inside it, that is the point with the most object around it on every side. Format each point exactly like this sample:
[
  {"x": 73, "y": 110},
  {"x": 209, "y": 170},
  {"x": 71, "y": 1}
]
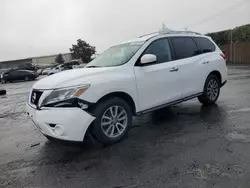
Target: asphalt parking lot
[{"x": 187, "y": 145}]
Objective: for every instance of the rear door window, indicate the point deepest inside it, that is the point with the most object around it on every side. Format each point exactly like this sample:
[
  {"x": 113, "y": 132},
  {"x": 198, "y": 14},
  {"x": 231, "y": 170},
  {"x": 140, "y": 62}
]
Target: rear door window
[
  {"x": 204, "y": 44},
  {"x": 184, "y": 47}
]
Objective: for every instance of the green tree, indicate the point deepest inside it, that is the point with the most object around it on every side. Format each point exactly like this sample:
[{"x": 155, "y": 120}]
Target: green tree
[
  {"x": 59, "y": 59},
  {"x": 240, "y": 34},
  {"x": 82, "y": 50}
]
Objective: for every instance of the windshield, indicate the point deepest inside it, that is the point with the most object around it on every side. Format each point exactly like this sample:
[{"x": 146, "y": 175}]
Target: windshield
[{"x": 116, "y": 55}]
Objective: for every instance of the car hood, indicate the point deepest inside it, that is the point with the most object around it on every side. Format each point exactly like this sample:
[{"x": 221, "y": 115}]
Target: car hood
[{"x": 69, "y": 78}]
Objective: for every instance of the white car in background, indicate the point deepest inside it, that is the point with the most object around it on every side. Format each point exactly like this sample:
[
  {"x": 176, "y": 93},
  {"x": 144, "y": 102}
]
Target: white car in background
[
  {"x": 79, "y": 66},
  {"x": 56, "y": 69},
  {"x": 132, "y": 78},
  {"x": 39, "y": 71},
  {"x": 76, "y": 66},
  {"x": 46, "y": 71},
  {"x": 83, "y": 65}
]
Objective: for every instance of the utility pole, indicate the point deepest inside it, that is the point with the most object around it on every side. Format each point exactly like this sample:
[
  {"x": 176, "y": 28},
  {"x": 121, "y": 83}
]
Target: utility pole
[
  {"x": 235, "y": 52},
  {"x": 231, "y": 50}
]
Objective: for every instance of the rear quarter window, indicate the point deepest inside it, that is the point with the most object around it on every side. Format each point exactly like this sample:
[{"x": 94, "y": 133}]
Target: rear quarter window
[{"x": 204, "y": 44}]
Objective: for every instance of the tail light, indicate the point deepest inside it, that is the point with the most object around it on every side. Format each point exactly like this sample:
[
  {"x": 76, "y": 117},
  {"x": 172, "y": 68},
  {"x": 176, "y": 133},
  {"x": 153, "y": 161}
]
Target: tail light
[{"x": 223, "y": 56}]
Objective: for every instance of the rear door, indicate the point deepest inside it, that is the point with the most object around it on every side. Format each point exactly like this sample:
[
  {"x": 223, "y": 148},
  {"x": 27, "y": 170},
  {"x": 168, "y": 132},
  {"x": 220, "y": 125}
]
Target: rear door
[
  {"x": 22, "y": 74},
  {"x": 190, "y": 65},
  {"x": 25, "y": 73},
  {"x": 210, "y": 57}
]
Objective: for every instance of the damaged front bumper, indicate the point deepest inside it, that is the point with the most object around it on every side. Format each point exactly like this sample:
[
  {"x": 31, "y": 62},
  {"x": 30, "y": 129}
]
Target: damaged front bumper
[{"x": 64, "y": 123}]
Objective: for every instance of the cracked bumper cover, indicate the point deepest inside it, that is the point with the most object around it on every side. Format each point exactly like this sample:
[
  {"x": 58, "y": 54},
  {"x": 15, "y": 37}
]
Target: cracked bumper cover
[
  {"x": 74, "y": 121},
  {"x": 223, "y": 83}
]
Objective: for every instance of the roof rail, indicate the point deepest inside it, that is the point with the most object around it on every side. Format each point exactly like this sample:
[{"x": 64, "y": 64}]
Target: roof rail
[
  {"x": 179, "y": 32},
  {"x": 168, "y": 31}
]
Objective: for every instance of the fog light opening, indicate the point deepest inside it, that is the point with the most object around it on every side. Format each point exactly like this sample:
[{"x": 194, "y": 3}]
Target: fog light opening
[
  {"x": 83, "y": 105},
  {"x": 59, "y": 130}
]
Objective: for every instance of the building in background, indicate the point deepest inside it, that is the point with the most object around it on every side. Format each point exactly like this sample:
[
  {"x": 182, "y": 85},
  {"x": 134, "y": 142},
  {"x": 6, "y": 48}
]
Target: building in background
[
  {"x": 49, "y": 60},
  {"x": 15, "y": 63},
  {"x": 42, "y": 61}
]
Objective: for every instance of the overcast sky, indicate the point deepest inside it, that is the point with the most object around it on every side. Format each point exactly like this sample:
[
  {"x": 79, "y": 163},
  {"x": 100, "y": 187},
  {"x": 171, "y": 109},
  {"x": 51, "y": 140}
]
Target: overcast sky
[{"x": 43, "y": 27}]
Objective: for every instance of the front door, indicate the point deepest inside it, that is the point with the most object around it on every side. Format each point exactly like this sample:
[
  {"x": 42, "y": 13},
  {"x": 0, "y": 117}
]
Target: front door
[{"x": 158, "y": 83}]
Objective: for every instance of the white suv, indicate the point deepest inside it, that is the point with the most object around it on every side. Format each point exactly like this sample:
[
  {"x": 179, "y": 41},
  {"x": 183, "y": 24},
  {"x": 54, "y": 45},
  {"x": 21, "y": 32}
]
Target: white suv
[{"x": 132, "y": 78}]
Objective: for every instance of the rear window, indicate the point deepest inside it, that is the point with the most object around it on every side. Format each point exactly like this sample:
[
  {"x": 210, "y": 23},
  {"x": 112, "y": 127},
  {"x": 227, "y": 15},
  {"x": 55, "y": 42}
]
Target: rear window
[
  {"x": 184, "y": 47},
  {"x": 204, "y": 44}
]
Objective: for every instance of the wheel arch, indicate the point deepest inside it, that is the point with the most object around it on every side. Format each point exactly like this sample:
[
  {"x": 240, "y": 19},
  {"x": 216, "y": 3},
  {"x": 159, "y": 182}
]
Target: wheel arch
[
  {"x": 126, "y": 97},
  {"x": 216, "y": 73}
]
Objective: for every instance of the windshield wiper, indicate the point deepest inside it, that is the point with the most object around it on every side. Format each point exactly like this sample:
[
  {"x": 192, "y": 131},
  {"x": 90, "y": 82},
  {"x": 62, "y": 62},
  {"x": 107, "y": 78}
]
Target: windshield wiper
[{"x": 93, "y": 66}]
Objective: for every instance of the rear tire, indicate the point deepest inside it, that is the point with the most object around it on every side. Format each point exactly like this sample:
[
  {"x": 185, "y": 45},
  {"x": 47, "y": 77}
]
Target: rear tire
[
  {"x": 211, "y": 90},
  {"x": 113, "y": 119}
]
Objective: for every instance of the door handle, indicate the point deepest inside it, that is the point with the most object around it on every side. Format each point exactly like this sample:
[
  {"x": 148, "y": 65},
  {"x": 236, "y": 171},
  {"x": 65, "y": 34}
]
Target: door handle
[
  {"x": 174, "y": 69},
  {"x": 205, "y": 62}
]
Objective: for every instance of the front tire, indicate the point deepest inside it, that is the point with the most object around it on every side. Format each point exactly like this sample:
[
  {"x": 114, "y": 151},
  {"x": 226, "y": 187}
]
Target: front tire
[
  {"x": 113, "y": 119},
  {"x": 211, "y": 90}
]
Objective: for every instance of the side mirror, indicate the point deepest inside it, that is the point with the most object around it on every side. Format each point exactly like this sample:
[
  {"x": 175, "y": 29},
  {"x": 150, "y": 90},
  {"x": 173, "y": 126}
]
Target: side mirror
[{"x": 148, "y": 58}]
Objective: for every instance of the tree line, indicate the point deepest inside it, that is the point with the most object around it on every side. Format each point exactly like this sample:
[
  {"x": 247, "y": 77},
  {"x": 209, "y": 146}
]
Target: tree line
[{"x": 238, "y": 34}]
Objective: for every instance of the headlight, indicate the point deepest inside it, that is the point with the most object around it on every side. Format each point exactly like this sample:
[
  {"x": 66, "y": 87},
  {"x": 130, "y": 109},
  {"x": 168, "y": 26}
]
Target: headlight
[{"x": 58, "y": 95}]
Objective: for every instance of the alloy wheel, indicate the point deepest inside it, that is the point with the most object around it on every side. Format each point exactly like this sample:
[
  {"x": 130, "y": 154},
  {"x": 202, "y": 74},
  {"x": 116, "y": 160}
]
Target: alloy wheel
[
  {"x": 212, "y": 89},
  {"x": 114, "y": 121}
]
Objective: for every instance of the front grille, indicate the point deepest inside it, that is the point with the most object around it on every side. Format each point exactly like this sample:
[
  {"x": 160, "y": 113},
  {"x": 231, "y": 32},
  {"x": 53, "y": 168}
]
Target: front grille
[{"x": 35, "y": 96}]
